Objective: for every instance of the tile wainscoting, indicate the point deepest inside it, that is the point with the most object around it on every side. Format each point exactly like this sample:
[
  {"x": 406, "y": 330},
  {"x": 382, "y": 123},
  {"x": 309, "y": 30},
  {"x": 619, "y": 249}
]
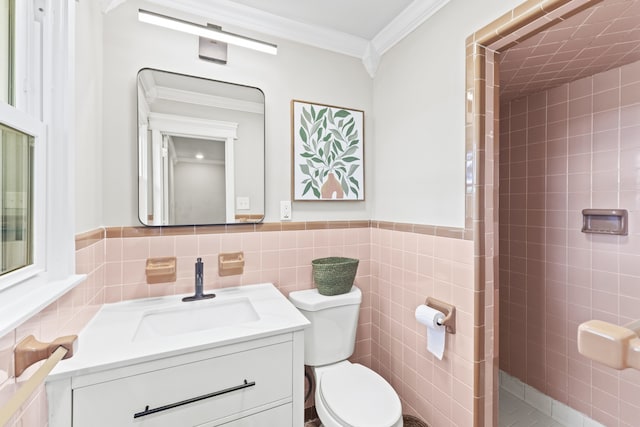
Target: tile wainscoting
[{"x": 400, "y": 265}]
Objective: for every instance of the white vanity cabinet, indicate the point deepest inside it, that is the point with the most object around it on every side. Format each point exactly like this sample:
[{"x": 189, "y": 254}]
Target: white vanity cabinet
[
  {"x": 248, "y": 384},
  {"x": 248, "y": 373}
]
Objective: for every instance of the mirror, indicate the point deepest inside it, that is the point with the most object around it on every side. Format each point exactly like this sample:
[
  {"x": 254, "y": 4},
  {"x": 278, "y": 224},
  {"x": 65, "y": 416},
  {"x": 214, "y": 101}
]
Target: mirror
[{"x": 200, "y": 150}]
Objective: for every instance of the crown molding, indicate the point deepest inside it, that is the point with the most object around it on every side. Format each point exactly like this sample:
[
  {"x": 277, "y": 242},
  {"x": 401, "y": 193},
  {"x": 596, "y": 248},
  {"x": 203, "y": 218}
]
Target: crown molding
[
  {"x": 371, "y": 60},
  {"x": 241, "y": 16},
  {"x": 150, "y": 92},
  {"x": 188, "y": 97},
  {"x": 109, "y": 5},
  {"x": 403, "y": 24},
  {"x": 192, "y": 127},
  {"x": 237, "y": 15}
]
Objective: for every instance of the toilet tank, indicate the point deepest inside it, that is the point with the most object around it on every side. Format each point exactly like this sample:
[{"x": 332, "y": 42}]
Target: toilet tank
[{"x": 331, "y": 337}]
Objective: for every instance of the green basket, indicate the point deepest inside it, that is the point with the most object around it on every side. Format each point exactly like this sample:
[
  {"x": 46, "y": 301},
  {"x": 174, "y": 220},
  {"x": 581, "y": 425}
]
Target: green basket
[{"x": 334, "y": 275}]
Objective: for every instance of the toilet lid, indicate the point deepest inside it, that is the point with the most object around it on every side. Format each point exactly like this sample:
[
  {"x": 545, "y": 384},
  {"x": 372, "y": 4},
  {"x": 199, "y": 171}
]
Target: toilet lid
[{"x": 359, "y": 397}]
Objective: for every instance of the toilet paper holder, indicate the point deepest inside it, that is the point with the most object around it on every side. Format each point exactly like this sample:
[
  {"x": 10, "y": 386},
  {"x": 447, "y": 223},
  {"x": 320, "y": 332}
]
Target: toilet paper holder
[{"x": 448, "y": 310}]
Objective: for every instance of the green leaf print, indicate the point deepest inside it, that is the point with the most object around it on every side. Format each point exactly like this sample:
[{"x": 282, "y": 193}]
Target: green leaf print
[{"x": 330, "y": 142}]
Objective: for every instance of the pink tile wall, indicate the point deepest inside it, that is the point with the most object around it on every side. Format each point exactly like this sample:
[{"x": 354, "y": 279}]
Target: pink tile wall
[
  {"x": 406, "y": 268},
  {"x": 66, "y": 316},
  {"x": 283, "y": 258},
  {"x": 397, "y": 271},
  {"x": 115, "y": 272},
  {"x": 569, "y": 148}
]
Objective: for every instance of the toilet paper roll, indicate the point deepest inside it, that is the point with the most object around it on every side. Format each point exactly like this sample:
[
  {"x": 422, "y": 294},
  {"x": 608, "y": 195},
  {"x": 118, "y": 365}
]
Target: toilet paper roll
[{"x": 436, "y": 333}]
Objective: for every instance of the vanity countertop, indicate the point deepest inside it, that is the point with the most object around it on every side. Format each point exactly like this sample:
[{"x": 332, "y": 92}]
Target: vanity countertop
[{"x": 112, "y": 338}]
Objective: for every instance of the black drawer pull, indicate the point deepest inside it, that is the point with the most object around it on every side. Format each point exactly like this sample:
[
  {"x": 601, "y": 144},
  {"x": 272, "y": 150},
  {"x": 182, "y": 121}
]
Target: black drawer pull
[{"x": 148, "y": 411}]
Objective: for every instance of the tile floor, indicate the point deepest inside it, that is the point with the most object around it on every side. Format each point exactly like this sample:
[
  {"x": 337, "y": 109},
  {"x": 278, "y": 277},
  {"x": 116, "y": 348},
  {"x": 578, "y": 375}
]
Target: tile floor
[
  {"x": 517, "y": 413},
  {"x": 513, "y": 413}
]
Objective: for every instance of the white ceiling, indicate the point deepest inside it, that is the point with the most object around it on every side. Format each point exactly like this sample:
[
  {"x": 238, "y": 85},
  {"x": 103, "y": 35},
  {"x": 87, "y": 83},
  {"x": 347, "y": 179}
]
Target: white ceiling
[
  {"x": 360, "y": 18},
  {"x": 365, "y": 29}
]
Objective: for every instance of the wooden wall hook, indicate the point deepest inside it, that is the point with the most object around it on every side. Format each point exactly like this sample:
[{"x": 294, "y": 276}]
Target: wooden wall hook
[{"x": 30, "y": 351}]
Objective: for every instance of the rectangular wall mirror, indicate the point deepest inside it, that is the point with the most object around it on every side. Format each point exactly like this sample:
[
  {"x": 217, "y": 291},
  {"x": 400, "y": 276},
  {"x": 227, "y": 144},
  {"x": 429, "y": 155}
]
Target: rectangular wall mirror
[{"x": 200, "y": 150}]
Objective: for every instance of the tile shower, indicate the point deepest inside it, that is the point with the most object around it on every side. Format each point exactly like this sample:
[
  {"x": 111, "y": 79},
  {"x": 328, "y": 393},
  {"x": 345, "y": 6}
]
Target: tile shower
[{"x": 562, "y": 150}]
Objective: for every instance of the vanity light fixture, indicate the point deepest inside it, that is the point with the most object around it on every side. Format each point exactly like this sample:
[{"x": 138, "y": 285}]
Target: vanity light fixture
[{"x": 209, "y": 32}]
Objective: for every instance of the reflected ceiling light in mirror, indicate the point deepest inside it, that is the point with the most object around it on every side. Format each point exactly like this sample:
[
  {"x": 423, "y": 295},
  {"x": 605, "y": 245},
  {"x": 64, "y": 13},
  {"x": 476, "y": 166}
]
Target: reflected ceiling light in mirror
[
  {"x": 199, "y": 156},
  {"x": 206, "y": 32}
]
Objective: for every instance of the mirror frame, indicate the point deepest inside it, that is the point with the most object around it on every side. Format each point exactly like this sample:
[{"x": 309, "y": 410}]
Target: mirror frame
[{"x": 225, "y": 131}]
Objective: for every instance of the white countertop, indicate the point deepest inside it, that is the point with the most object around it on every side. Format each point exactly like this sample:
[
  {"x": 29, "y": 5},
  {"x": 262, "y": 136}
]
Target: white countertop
[{"x": 107, "y": 341}]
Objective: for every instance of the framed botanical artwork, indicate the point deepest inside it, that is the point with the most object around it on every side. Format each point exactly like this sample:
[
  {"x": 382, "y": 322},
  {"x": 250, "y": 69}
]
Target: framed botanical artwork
[{"x": 328, "y": 152}]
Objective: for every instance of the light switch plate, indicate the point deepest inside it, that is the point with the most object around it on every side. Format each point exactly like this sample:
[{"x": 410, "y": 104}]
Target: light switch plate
[
  {"x": 243, "y": 203},
  {"x": 285, "y": 210}
]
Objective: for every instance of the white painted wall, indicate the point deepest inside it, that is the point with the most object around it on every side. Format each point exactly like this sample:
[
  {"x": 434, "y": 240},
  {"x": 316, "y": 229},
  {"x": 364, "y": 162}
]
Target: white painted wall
[
  {"x": 297, "y": 71},
  {"x": 249, "y": 168},
  {"x": 414, "y": 113},
  {"x": 199, "y": 193},
  {"x": 89, "y": 165},
  {"x": 419, "y": 117}
]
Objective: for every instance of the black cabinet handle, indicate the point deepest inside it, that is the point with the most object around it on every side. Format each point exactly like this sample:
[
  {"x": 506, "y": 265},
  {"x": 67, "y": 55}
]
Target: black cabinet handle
[{"x": 148, "y": 411}]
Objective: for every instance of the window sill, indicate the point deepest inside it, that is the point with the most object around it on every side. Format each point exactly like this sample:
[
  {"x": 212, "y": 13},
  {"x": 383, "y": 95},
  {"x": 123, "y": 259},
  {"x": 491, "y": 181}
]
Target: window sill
[{"x": 18, "y": 304}]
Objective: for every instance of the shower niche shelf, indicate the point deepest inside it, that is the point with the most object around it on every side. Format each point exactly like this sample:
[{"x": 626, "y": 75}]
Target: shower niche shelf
[{"x": 605, "y": 221}]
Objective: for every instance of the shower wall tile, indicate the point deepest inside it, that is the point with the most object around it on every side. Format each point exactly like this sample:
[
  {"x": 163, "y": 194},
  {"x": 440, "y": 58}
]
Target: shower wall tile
[{"x": 554, "y": 277}]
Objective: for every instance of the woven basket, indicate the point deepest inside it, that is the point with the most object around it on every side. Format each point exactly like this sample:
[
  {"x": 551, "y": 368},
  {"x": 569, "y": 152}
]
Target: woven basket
[{"x": 334, "y": 275}]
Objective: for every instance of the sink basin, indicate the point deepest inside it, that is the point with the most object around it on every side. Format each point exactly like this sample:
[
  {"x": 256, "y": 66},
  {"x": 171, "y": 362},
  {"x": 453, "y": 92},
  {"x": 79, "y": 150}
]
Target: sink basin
[
  {"x": 194, "y": 317},
  {"x": 152, "y": 329}
]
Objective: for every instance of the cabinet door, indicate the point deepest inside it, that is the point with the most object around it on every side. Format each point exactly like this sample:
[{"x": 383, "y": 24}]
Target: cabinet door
[{"x": 190, "y": 394}]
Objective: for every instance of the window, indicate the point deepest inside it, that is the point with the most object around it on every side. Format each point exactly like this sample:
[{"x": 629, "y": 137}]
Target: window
[
  {"x": 7, "y": 15},
  {"x": 19, "y": 132},
  {"x": 16, "y": 187},
  {"x": 21, "y": 153},
  {"x": 16, "y": 162},
  {"x": 37, "y": 253}
]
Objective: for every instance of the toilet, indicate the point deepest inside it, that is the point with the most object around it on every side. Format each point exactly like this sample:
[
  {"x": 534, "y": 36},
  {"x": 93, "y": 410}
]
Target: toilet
[{"x": 347, "y": 394}]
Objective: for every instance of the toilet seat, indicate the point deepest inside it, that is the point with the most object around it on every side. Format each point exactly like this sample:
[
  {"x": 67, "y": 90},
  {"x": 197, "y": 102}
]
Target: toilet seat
[{"x": 356, "y": 396}]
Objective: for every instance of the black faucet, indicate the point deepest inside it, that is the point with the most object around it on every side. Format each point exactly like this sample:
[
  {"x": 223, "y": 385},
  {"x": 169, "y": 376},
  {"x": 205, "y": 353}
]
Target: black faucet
[{"x": 199, "y": 284}]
